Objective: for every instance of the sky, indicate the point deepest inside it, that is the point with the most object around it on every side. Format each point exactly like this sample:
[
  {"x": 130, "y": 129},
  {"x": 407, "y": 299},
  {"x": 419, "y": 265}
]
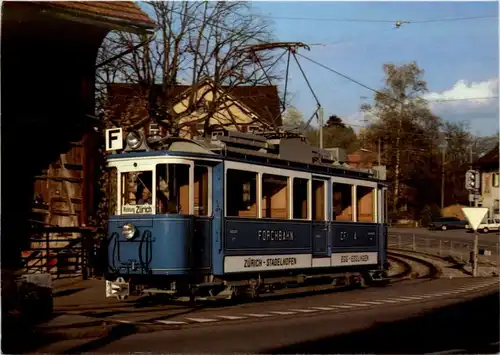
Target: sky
[{"x": 460, "y": 58}]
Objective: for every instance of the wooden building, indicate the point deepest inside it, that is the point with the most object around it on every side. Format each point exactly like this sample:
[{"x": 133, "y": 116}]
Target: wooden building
[
  {"x": 243, "y": 108},
  {"x": 49, "y": 52}
]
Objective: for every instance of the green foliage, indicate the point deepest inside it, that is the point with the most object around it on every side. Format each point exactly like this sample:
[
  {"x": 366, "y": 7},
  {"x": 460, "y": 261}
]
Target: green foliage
[
  {"x": 335, "y": 133},
  {"x": 412, "y": 140}
]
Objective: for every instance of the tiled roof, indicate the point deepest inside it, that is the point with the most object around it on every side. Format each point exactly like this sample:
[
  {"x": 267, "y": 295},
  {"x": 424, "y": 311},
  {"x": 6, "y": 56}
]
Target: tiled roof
[
  {"x": 114, "y": 10},
  {"x": 490, "y": 158},
  {"x": 262, "y": 100}
]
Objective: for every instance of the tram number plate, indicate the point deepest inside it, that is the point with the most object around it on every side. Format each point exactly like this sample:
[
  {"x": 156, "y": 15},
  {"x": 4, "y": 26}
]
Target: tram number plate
[{"x": 354, "y": 259}]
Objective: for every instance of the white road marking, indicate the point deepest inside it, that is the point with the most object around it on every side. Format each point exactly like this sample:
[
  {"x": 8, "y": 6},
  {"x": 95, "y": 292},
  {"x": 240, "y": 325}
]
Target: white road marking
[
  {"x": 323, "y": 308},
  {"x": 387, "y": 301},
  {"x": 341, "y": 306},
  {"x": 171, "y": 322},
  {"x": 412, "y": 297},
  {"x": 258, "y": 315},
  {"x": 202, "y": 320},
  {"x": 372, "y": 302},
  {"x": 304, "y": 310},
  {"x": 400, "y": 299},
  {"x": 440, "y": 294},
  {"x": 357, "y": 304},
  {"x": 282, "y": 313},
  {"x": 231, "y": 317}
]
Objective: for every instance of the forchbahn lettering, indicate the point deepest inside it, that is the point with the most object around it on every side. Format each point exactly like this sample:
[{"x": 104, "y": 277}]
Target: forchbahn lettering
[
  {"x": 275, "y": 235},
  {"x": 270, "y": 262}
]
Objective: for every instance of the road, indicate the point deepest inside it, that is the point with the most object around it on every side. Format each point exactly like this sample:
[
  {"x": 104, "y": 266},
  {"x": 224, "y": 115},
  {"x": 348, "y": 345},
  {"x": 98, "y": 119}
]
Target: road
[
  {"x": 412, "y": 317},
  {"x": 490, "y": 239}
]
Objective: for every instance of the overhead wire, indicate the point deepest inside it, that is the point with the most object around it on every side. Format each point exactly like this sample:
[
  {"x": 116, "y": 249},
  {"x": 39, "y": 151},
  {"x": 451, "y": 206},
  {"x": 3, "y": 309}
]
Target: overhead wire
[
  {"x": 343, "y": 75},
  {"x": 381, "y": 93},
  {"x": 337, "y": 72},
  {"x": 454, "y": 19}
]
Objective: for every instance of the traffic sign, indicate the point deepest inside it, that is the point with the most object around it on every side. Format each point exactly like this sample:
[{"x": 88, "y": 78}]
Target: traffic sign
[
  {"x": 472, "y": 180},
  {"x": 475, "y": 215}
]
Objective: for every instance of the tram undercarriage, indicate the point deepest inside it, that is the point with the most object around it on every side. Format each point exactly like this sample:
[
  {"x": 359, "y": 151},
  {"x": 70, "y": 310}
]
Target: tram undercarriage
[{"x": 244, "y": 286}]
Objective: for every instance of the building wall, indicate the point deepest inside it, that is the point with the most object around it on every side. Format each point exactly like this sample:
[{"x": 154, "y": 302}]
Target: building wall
[
  {"x": 490, "y": 192},
  {"x": 230, "y": 114}
]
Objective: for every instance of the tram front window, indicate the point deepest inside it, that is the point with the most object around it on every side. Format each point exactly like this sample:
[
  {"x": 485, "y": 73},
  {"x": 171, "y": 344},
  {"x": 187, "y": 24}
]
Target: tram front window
[
  {"x": 172, "y": 190},
  {"x": 136, "y": 194}
]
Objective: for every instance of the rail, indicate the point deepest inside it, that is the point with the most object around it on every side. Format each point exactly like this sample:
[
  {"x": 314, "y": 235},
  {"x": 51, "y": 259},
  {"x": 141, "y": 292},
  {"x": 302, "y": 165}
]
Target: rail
[{"x": 62, "y": 251}]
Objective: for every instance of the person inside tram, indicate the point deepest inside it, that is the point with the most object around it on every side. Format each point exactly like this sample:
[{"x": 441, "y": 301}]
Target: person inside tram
[
  {"x": 145, "y": 197},
  {"x": 165, "y": 203}
]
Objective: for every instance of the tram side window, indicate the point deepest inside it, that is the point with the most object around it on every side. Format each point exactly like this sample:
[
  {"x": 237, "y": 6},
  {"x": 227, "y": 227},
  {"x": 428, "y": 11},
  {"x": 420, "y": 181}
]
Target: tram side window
[
  {"x": 342, "y": 202},
  {"x": 318, "y": 202},
  {"x": 300, "y": 198},
  {"x": 172, "y": 188},
  {"x": 201, "y": 191},
  {"x": 137, "y": 191},
  {"x": 274, "y": 196},
  {"x": 241, "y": 193},
  {"x": 113, "y": 191},
  {"x": 365, "y": 204}
]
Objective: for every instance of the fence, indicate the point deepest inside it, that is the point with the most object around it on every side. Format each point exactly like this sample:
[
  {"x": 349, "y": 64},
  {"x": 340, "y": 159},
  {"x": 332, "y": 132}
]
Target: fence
[
  {"x": 62, "y": 251},
  {"x": 445, "y": 247}
]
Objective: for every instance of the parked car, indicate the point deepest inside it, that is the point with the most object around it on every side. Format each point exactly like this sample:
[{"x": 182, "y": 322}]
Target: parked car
[
  {"x": 445, "y": 223},
  {"x": 489, "y": 224}
]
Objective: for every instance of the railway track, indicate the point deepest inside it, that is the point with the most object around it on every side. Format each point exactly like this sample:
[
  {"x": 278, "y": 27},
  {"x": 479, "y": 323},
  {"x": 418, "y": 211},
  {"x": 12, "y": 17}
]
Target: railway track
[
  {"x": 413, "y": 267},
  {"x": 407, "y": 267}
]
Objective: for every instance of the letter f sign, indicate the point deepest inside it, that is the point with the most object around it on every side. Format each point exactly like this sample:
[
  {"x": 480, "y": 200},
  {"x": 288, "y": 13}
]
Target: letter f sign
[{"x": 114, "y": 139}]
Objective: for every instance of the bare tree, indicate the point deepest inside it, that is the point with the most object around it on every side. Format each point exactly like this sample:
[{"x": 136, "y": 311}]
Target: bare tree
[
  {"x": 196, "y": 43},
  {"x": 405, "y": 127}
]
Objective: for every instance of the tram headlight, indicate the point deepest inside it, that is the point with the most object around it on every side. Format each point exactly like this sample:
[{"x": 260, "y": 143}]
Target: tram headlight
[
  {"x": 134, "y": 140},
  {"x": 128, "y": 231}
]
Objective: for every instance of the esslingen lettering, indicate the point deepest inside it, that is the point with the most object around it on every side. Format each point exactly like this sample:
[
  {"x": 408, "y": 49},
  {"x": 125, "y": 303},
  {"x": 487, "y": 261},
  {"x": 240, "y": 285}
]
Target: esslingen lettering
[
  {"x": 353, "y": 258},
  {"x": 274, "y": 235}
]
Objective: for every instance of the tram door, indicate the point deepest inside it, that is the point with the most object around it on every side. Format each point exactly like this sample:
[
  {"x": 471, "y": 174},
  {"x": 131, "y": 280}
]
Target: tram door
[{"x": 320, "y": 223}]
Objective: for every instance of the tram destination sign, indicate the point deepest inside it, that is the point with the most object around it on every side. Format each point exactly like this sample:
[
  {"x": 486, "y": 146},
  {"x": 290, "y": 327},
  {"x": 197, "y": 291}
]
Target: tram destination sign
[
  {"x": 137, "y": 209},
  {"x": 266, "y": 262}
]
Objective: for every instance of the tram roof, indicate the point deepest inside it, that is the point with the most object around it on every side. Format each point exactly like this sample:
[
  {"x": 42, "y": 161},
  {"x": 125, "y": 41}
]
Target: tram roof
[{"x": 285, "y": 153}]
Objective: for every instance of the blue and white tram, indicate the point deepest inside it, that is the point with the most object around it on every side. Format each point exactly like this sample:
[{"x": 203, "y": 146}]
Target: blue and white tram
[{"x": 235, "y": 214}]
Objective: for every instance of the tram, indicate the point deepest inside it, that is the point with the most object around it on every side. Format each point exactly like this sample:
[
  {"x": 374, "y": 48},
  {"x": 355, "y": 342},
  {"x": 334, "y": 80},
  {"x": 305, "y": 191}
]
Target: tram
[{"x": 237, "y": 213}]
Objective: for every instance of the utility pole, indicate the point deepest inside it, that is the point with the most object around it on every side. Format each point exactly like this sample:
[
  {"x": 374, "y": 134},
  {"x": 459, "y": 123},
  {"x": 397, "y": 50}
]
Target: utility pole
[
  {"x": 442, "y": 178},
  {"x": 398, "y": 160},
  {"x": 379, "y": 152},
  {"x": 471, "y": 200},
  {"x": 321, "y": 127},
  {"x": 474, "y": 262}
]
